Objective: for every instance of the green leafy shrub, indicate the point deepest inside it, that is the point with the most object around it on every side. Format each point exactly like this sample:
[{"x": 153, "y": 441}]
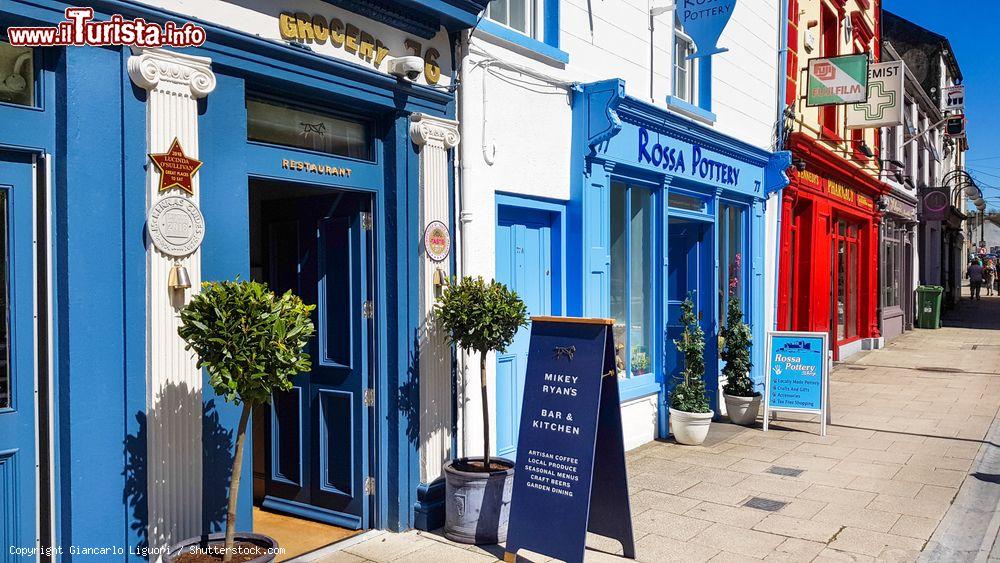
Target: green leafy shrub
[
  {"x": 481, "y": 317},
  {"x": 738, "y": 342},
  {"x": 690, "y": 395},
  {"x": 252, "y": 343}
]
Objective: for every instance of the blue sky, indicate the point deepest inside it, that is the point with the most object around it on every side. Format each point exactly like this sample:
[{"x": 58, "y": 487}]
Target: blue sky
[{"x": 972, "y": 27}]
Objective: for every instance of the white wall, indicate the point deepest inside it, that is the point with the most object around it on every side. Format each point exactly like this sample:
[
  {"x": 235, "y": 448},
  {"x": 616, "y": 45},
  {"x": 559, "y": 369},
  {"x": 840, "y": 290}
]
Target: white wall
[{"x": 525, "y": 129}]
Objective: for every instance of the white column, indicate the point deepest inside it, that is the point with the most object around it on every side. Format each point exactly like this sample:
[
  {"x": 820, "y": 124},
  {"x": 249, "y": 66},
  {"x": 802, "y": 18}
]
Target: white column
[
  {"x": 174, "y": 83},
  {"x": 435, "y": 136}
]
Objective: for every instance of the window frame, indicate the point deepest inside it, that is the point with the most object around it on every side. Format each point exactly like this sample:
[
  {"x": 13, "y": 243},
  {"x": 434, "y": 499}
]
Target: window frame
[
  {"x": 635, "y": 386},
  {"x": 723, "y": 236},
  {"x": 269, "y": 98},
  {"x": 543, "y": 43},
  {"x": 691, "y": 70},
  {"x": 534, "y": 12},
  {"x": 37, "y": 68},
  {"x": 699, "y": 80}
]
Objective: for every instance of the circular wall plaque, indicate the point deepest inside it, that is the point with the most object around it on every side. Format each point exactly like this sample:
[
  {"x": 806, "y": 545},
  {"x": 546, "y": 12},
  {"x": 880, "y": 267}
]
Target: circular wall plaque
[
  {"x": 175, "y": 226},
  {"x": 437, "y": 241},
  {"x": 935, "y": 201}
]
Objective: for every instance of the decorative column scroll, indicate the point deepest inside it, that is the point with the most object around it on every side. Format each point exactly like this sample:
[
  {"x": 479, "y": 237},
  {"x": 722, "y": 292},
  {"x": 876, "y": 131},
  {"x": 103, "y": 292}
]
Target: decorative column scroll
[
  {"x": 435, "y": 136},
  {"x": 174, "y": 83}
]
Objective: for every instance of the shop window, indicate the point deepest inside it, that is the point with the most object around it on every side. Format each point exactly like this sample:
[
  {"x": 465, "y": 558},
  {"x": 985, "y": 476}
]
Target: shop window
[
  {"x": 685, "y": 70},
  {"x": 845, "y": 279},
  {"x": 5, "y": 390},
  {"x": 279, "y": 124},
  {"x": 632, "y": 299},
  {"x": 518, "y": 15},
  {"x": 732, "y": 260},
  {"x": 891, "y": 266},
  {"x": 17, "y": 75}
]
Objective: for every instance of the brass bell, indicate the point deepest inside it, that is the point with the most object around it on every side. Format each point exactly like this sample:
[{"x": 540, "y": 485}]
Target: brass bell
[{"x": 178, "y": 278}]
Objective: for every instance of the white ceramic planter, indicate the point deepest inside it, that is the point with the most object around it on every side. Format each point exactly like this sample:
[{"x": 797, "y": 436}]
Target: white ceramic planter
[
  {"x": 690, "y": 428},
  {"x": 742, "y": 410}
]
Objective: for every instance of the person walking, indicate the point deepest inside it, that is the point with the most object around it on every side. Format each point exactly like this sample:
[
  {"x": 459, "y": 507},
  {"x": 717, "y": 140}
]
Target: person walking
[
  {"x": 975, "y": 275},
  {"x": 989, "y": 273}
]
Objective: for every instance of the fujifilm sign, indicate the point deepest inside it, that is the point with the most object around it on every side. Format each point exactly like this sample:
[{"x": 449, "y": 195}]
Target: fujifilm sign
[{"x": 838, "y": 80}]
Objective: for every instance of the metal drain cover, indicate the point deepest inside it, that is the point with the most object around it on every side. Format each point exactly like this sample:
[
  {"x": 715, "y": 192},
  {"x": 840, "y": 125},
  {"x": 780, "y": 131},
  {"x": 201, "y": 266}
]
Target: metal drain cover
[
  {"x": 786, "y": 471},
  {"x": 761, "y": 503}
]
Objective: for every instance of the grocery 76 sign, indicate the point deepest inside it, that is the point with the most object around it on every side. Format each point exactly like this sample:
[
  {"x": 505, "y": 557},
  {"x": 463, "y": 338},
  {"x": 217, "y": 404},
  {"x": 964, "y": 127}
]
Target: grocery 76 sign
[{"x": 838, "y": 80}]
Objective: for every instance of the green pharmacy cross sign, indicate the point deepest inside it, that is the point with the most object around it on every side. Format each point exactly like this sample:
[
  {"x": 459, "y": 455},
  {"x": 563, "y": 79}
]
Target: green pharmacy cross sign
[
  {"x": 884, "y": 107},
  {"x": 838, "y": 80},
  {"x": 878, "y": 102}
]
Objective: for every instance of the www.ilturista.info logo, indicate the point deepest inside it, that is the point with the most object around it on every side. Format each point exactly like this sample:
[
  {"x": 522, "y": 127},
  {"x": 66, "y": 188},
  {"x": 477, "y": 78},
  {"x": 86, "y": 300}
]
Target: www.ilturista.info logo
[{"x": 79, "y": 29}]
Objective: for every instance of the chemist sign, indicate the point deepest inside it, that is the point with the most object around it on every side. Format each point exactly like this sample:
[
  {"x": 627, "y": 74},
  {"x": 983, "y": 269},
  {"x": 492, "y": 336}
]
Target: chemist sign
[
  {"x": 884, "y": 107},
  {"x": 570, "y": 475},
  {"x": 703, "y": 21},
  {"x": 797, "y": 377}
]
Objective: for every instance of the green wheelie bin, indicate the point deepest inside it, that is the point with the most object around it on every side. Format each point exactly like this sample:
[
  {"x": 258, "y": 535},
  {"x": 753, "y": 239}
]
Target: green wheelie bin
[{"x": 929, "y": 306}]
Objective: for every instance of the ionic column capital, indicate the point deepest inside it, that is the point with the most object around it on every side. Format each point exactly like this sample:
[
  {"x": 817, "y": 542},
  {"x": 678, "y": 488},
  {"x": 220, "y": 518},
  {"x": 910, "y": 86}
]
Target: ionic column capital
[
  {"x": 166, "y": 70},
  {"x": 429, "y": 130}
]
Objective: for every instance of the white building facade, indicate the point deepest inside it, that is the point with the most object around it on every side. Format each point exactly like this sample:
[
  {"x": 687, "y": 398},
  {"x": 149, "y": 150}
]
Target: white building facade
[{"x": 584, "y": 127}]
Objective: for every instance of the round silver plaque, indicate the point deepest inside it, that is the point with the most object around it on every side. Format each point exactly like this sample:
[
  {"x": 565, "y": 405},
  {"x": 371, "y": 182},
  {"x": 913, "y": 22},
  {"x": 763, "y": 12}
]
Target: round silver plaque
[{"x": 175, "y": 226}]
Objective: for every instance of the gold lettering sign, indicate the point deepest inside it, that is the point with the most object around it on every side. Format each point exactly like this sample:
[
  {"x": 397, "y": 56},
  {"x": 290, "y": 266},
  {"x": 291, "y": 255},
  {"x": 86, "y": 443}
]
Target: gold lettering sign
[
  {"x": 306, "y": 28},
  {"x": 322, "y": 169},
  {"x": 810, "y": 177},
  {"x": 841, "y": 191},
  {"x": 866, "y": 203}
]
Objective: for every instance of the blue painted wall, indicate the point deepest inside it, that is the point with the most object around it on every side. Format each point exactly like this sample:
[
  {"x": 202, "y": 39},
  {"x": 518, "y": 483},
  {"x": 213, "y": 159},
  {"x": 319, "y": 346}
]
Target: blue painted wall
[
  {"x": 608, "y": 130},
  {"x": 92, "y": 120}
]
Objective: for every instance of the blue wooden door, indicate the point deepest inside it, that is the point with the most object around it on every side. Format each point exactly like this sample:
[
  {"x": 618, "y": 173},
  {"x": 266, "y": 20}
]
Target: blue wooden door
[
  {"x": 524, "y": 264},
  {"x": 690, "y": 271},
  {"x": 318, "y": 458},
  {"x": 18, "y": 480}
]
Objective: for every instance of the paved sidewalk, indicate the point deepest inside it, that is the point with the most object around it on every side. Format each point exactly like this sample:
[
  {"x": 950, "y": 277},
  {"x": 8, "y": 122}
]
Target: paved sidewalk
[{"x": 908, "y": 423}]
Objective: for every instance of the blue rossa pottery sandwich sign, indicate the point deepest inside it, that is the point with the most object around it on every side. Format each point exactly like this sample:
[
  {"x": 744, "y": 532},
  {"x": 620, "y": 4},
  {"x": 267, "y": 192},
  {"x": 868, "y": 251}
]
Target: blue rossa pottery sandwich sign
[
  {"x": 797, "y": 377},
  {"x": 703, "y": 21}
]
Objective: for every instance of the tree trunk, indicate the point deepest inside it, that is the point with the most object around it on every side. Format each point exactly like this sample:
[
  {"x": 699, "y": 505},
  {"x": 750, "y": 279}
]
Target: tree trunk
[
  {"x": 486, "y": 411},
  {"x": 234, "y": 483}
]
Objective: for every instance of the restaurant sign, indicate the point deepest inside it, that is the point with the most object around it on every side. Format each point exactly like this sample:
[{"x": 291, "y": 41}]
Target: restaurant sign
[
  {"x": 838, "y": 80},
  {"x": 570, "y": 476}
]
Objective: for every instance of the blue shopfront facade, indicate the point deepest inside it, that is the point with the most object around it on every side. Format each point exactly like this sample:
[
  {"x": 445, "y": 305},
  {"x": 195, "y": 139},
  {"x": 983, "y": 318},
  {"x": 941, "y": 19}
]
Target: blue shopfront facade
[
  {"x": 73, "y": 178},
  {"x": 666, "y": 208}
]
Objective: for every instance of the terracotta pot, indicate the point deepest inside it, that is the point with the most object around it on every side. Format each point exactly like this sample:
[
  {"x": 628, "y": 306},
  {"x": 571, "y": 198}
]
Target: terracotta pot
[{"x": 690, "y": 428}]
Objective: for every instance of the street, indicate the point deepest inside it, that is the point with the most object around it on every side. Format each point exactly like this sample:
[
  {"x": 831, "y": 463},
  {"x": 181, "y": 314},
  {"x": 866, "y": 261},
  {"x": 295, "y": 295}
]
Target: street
[{"x": 906, "y": 472}]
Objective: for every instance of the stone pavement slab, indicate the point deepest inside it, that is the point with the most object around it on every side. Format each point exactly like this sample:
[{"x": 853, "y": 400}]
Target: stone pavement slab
[{"x": 910, "y": 424}]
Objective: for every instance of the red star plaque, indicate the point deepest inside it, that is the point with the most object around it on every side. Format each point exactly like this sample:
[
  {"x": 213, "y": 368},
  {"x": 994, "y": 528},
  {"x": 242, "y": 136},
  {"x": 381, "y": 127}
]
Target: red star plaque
[{"x": 176, "y": 169}]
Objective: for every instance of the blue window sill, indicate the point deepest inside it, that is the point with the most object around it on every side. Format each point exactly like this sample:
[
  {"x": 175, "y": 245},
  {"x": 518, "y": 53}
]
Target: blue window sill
[
  {"x": 636, "y": 387},
  {"x": 690, "y": 110},
  {"x": 519, "y": 39}
]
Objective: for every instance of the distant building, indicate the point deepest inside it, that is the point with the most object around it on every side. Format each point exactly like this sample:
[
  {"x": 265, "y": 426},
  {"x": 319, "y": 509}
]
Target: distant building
[{"x": 932, "y": 164}]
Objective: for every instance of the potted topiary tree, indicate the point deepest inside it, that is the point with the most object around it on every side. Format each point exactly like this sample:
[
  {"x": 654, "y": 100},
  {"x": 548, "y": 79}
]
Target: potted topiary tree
[
  {"x": 479, "y": 317},
  {"x": 742, "y": 400},
  {"x": 690, "y": 414},
  {"x": 251, "y": 342}
]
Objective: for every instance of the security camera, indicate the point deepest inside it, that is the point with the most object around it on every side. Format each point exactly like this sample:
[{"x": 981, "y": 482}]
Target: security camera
[{"x": 409, "y": 68}]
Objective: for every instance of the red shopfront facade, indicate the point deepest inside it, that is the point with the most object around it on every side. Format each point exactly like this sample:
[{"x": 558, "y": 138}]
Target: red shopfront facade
[{"x": 829, "y": 249}]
